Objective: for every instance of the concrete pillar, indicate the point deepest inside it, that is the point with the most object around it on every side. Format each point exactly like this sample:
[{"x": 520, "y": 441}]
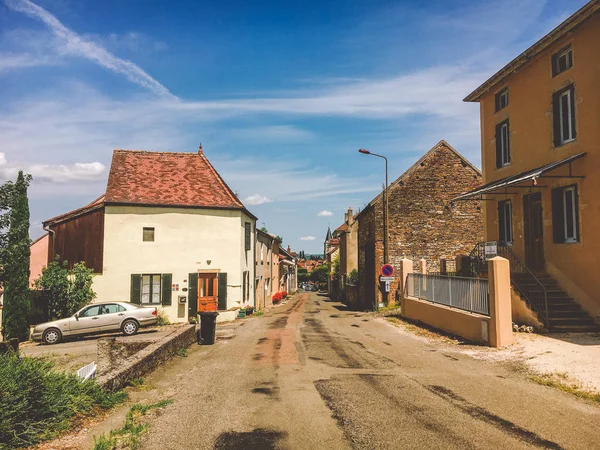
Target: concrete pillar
[
  {"x": 443, "y": 267},
  {"x": 500, "y": 332},
  {"x": 406, "y": 267},
  {"x": 423, "y": 266}
]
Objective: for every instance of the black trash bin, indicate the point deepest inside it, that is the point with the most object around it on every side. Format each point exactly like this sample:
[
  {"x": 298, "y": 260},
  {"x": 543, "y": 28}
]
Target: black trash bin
[{"x": 208, "y": 327}]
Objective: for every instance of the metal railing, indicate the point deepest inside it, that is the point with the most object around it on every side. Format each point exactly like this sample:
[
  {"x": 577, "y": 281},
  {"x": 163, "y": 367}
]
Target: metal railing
[
  {"x": 523, "y": 280},
  {"x": 468, "y": 294}
]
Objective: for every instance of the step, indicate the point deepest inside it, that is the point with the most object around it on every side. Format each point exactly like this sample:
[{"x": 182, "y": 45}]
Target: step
[
  {"x": 559, "y": 321},
  {"x": 575, "y": 329},
  {"x": 553, "y": 314}
]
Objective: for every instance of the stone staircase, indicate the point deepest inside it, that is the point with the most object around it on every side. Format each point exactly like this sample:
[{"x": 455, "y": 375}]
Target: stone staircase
[{"x": 564, "y": 313}]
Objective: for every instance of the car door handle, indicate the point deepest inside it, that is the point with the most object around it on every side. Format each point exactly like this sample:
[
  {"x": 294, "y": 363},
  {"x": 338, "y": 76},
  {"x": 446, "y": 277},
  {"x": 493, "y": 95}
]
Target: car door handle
[
  {"x": 121, "y": 314},
  {"x": 95, "y": 318}
]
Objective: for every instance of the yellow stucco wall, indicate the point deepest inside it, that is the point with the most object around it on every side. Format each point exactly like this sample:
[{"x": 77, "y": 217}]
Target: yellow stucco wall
[
  {"x": 185, "y": 240},
  {"x": 574, "y": 265}
]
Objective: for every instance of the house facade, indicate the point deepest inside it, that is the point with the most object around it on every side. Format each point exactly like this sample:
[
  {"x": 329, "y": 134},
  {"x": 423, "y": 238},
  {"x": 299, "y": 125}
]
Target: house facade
[
  {"x": 168, "y": 232},
  {"x": 288, "y": 271},
  {"x": 540, "y": 156},
  {"x": 348, "y": 238},
  {"x": 422, "y": 224},
  {"x": 266, "y": 271}
]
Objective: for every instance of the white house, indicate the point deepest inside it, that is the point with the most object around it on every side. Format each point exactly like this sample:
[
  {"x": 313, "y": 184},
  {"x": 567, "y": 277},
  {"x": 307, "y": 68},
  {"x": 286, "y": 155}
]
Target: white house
[{"x": 168, "y": 232}]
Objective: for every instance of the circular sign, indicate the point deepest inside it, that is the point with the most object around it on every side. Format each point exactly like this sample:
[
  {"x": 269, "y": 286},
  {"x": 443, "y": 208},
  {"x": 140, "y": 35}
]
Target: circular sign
[{"x": 387, "y": 270}]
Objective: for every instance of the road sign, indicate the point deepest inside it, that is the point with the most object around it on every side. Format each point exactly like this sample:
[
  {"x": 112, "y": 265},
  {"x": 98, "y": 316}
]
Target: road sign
[
  {"x": 386, "y": 279},
  {"x": 387, "y": 286},
  {"x": 491, "y": 250},
  {"x": 387, "y": 270}
]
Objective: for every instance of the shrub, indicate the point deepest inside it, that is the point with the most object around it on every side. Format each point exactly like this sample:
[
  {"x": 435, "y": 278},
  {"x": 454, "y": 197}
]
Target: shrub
[
  {"x": 353, "y": 278},
  {"x": 162, "y": 319},
  {"x": 39, "y": 403},
  {"x": 277, "y": 297}
]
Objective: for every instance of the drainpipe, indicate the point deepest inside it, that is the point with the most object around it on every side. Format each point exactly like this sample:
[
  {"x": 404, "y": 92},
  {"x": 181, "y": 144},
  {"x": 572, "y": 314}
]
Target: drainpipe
[{"x": 53, "y": 233}]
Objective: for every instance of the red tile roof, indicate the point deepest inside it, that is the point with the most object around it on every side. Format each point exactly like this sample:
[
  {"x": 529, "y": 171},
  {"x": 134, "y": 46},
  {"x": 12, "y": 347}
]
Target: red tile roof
[{"x": 167, "y": 179}]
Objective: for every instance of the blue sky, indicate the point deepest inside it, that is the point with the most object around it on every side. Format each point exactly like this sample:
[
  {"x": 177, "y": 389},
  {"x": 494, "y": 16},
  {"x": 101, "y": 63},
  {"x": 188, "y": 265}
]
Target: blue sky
[{"x": 281, "y": 94}]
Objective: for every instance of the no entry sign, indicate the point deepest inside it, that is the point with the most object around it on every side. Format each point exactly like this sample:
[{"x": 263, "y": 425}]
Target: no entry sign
[{"x": 387, "y": 270}]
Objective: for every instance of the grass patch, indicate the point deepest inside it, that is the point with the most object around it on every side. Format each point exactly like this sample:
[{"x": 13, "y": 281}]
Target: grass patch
[
  {"x": 259, "y": 313},
  {"x": 39, "y": 403},
  {"x": 559, "y": 381},
  {"x": 136, "y": 382},
  {"x": 182, "y": 352},
  {"x": 129, "y": 435}
]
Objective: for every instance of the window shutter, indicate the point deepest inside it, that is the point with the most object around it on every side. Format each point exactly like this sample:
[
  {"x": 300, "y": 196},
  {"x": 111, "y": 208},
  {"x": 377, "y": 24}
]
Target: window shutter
[
  {"x": 192, "y": 294},
  {"x": 508, "y": 141},
  {"x": 501, "y": 222},
  {"x": 247, "y": 236},
  {"x": 573, "y": 127},
  {"x": 556, "y": 118},
  {"x": 576, "y": 200},
  {"x": 223, "y": 291},
  {"x": 167, "y": 293},
  {"x": 136, "y": 289},
  {"x": 558, "y": 219},
  {"x": 498, "y": 146},
  {"x": 244, "y": 287},
  {"x": 497, "y": 102}
]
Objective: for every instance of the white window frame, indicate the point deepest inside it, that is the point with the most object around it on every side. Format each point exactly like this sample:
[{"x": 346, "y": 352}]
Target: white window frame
[
  {"x": 572, "y": 214},
  {"x": 567, "y": 94},
  {"x": 151, "y": 275},
  {"x": 559, "y": 56},
  {"x": 504, "y": 144}
]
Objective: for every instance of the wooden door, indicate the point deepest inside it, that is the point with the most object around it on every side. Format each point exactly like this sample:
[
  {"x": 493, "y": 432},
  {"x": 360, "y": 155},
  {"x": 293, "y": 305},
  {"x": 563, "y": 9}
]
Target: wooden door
[
  {"x": 534, "y": 231},
  {"x": 207, "y": 292}
]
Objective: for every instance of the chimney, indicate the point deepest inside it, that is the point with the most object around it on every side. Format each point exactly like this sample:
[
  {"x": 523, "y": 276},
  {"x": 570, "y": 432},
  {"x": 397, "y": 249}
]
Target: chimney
[
  {"x": 349, "y": 216},
  {"x": 200, "y": 149},
  {"x": 289, "y": 248}
]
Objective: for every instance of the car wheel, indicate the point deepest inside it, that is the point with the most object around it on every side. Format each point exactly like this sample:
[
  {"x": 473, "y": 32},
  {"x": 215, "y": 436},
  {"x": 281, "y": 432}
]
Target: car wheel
[
  {"x": 51, "y": 336},
  {"x": 130, "y": 327}
]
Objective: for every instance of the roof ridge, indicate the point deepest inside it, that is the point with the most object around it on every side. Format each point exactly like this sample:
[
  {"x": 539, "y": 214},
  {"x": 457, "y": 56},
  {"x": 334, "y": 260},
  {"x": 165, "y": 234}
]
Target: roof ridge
[
  {"x": 412, "y": 168},
  {"x": 221, "y": 180},
  {"x": 154, "y": 152}
]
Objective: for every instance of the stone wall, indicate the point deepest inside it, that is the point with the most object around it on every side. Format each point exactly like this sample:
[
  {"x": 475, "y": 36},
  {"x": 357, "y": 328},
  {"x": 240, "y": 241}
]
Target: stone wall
[
  {"x": 422, "y": 222},
  {"x": 118, "y": 362}
]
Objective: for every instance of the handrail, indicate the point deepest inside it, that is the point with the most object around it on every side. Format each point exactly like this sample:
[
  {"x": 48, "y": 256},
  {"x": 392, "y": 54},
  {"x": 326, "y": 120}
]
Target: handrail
[{"x": 540, "y": 304}]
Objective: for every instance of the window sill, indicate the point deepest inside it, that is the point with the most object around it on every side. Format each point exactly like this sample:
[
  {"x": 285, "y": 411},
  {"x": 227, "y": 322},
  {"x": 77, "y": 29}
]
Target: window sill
[
  {"x": 504, "y": 166},
  {"x": 562, "y": 144}
]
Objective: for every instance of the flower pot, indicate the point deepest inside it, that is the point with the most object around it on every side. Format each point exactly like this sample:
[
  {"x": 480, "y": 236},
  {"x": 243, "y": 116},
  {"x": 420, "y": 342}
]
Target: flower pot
[{"x": 242, "y": 313}]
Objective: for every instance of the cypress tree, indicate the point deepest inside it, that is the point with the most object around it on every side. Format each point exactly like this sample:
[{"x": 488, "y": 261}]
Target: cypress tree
[{"x": 15, "y": 316}]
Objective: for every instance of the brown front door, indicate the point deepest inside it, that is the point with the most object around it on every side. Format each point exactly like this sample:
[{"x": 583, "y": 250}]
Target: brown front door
[
  {"x": 534, "y": 231},
  {"x": 207, "y": 291}
]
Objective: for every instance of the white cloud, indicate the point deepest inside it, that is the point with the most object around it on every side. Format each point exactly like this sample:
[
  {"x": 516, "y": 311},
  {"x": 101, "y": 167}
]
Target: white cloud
[
  {"x": 71, "y": 43},
  {"x": 53, "y": 173},
  {"x": 257, "y": 199},
  {"x": 325, "y": 213},
  {"x": 10, "y": 61},
  {"x": 272, "y": 133},
  {"x": 307, "y": 238}
]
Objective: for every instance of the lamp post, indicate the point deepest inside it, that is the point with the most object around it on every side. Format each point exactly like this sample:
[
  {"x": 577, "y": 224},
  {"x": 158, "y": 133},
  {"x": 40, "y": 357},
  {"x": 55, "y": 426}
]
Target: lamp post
[{"x": 385, "y": 208}]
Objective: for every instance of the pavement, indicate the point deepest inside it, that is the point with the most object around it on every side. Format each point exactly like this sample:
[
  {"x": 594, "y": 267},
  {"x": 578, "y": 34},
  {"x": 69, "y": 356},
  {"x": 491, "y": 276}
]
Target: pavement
[{"x": 313, "y": 375}]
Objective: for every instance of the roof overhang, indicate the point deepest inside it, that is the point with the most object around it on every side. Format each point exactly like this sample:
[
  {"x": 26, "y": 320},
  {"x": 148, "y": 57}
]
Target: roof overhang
[
  {"x": 584, "y": 13},
  {"x": 515, "y": 181}
]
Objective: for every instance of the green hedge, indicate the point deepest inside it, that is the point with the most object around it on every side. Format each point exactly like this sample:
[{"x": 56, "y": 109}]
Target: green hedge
[{"x": 38, "y": 403}]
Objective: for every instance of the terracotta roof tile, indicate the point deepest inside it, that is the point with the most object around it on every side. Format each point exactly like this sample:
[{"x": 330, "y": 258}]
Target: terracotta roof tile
[{"x": 167, "y": 179}]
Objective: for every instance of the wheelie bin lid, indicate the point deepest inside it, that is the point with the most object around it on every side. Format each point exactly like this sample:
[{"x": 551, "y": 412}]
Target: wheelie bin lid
[{"x": 208, "y": 313}]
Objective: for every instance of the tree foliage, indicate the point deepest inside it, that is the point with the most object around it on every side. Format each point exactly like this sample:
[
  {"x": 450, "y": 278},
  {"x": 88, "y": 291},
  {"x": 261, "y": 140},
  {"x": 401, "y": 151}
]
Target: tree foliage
[
  {"x": 353, "y": 278},
  {"x": 279, "y": 239},
  {"x": 320, "y": 274},
  {"x": 302, "y": 275},
  {"x": 66, "y": 291},
  {"x": 15, "y": 259}
]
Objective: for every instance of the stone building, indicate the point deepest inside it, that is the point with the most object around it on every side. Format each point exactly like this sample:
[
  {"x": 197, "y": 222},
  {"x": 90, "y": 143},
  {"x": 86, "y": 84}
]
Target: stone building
[
  {"x": 347, "y": 233},
  {"x": 422, "y": 222}
]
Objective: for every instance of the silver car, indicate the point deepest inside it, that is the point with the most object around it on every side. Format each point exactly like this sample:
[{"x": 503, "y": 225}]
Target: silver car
[{"x": 97, "y": 318}]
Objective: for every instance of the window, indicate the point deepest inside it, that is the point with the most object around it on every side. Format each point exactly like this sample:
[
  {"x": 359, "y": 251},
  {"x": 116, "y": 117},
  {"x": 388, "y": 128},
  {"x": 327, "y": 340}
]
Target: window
[
  {"x": 563, "y": 106},
  {"x": 148, "y": 234},
  {"x": 565, "y": 214},
  {"x": 501, "y": 99},
  {"x": 505, "y": 232},
  {"x": 248, "y": 235},
  {"x": 246, "y": 286},
  {"x": 90, "y": 311},
  {"x": 112, "y": 309},
  {"x": 562, "y": 61},
  {"x": 262, "y": 253},
  {"x": 150, "y": 289},
  {"x": 502, "y": 144}
]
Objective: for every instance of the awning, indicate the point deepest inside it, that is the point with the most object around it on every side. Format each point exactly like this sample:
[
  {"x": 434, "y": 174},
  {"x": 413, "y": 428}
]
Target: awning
[{"x": 514, "y": 180}]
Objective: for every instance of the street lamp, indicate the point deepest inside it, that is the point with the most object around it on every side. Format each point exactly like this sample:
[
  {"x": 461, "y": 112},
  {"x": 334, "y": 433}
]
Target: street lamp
[{"x": 385, "y": 207}]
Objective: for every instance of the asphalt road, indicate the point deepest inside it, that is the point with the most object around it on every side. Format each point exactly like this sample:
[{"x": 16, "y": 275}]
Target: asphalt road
[{"x": 312, "y": 375}]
